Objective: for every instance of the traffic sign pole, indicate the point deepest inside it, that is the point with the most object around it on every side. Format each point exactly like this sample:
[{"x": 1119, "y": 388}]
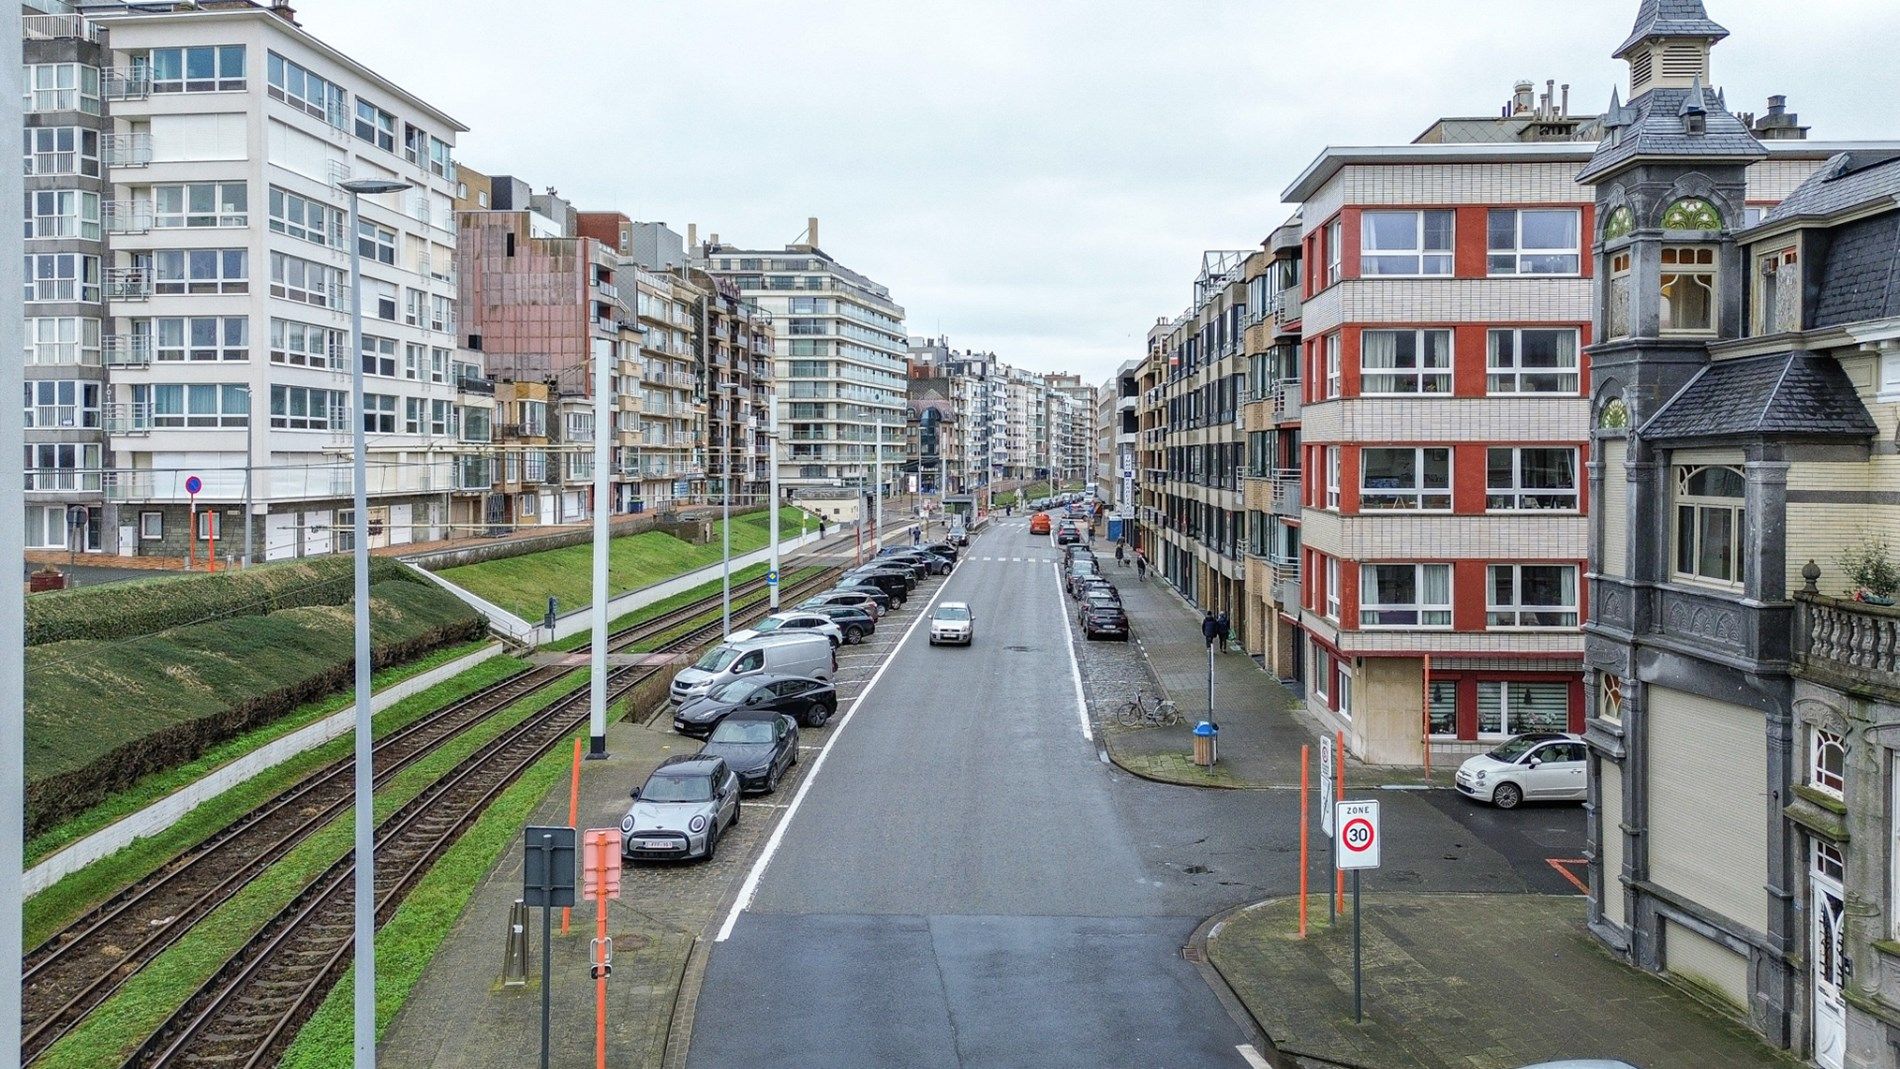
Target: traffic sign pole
[
  {"x": 1359, "y": 845},
  {"x": 601, "y": 881},
  {"x": 1358, "y": 995}
]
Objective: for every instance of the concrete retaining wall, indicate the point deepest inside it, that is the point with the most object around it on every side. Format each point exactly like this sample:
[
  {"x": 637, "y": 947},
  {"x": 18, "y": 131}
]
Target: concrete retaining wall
[
  {"x": 169, "y": 810},
  {"x": 692, "y": 528}
]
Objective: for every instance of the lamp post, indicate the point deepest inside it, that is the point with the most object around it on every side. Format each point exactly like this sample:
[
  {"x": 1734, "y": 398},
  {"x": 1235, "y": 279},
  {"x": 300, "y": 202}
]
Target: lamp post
[
  {"x": 12, "y": 552},
  {"x": 877, "y": 490},
  {"x": 771, "y": 470},
  {"x": 365, "y": 793},
  {"x": 726, "y": 390}
]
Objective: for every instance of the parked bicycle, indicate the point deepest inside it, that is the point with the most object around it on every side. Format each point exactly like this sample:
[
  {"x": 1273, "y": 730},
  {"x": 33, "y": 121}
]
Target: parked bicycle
[{"x": 1148, "y": 711}]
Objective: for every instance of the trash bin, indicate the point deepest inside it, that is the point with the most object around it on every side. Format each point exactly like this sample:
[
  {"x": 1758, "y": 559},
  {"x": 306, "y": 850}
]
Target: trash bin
[{"x": 1206, "y": 744}]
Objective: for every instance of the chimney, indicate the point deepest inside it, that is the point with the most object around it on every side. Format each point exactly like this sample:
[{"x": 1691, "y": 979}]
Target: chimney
[
  {"x": 283, "y": 10},
  {"x": 1550, "y": 97},
  {"x": 713, "y": 240},
  {"x": 692, "y": 235},
  {"x": 1564, "y": 113},
  {"x": 1779, "y": 124},
  {"x": 1521, "y": 101},
  {"x": 811, "y": 231}
]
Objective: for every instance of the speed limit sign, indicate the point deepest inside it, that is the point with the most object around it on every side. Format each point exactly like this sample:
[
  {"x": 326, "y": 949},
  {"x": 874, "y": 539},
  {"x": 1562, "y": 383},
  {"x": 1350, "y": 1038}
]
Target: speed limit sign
[{"x": 1357, "y": 834}]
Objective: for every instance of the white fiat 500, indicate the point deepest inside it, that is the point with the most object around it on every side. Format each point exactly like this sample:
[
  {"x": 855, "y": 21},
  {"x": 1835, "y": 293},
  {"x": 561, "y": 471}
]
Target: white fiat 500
[{"x": 1543, "y": 766}]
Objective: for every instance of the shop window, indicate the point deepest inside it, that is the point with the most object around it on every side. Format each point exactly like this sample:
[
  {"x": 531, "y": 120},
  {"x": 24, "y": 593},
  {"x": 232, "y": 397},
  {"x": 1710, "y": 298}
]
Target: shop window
[
  {"x": 1511, "y": 708},
  {"x": 1443, "y": 698}
]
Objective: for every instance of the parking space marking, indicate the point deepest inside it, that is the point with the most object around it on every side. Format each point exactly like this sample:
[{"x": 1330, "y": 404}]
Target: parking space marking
[
  {"x": 1252, "y": 1056},
  {"x": 1562, "y": 865}
]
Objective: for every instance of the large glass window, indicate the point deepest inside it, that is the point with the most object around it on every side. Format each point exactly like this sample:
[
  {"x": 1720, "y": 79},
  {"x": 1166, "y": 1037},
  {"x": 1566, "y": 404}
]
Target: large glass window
[
  {"x": 302, "y": 218},
  {"x": 1532, "y": 361},
  {"x": 201, "y": 204},
  {"x": 302, "y": 344},
  {"x": 1688, "y": 289},
  {"x": 306, "y": 91},
  {"x": 1407, "y": 479},
  {"x": 64, "y": 466},
  {"x": 301, "y": 280},
  {"x": 62, "y": 340},
  {"x": 62, "y": 87},
  {"x": 1532, "y": 595},
  {"x": 379, "y": 356},
  {"x": 1516, "y": 708},
  {"x": 297, "y": 408},
  {"x": 1710, "y": 524},
  {"x": 200, "y": 405},
  {"x": 375, "y": 125},
  {"x": 201, "y": 271},
  {"x": 56, "y": 150},
  {"x": 1542, "y": 241},
  {"x": 1443, "y": 702},
  {"x": 1405, "y": 595},
  {"x": 1519, "y": 479},
  {"x": 197, "y": 338},
  {"x": 1405, "y": 243},
  {"x": 62, "y": 213},
  {"x": 200, "y": 69},
  {"x": 379, "y": 413},
  {"x": 62, "y": 403},
  {"x": 375, "y": 242},
  {"x": 62, "y": 276},
  {"x": 1405, "y": 362}
]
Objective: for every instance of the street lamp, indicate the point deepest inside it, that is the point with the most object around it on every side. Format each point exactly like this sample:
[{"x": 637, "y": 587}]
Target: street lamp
[
  {"x": 365, "y": 794},
  {"x": 726, "y": 390}
]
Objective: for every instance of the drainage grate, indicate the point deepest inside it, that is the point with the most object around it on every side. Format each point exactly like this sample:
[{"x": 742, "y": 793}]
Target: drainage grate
[{"x": 1194, "y": 954}]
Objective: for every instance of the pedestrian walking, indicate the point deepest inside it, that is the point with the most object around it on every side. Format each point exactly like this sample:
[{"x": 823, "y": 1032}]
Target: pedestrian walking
[
  {"x": 1141, "y": 567},
  {"x": 1121, "y": 554},
  {"x": 1223, "y": 627},
  {"x": 821, "y": 527},
  {"x": 1210, "y": 629}
]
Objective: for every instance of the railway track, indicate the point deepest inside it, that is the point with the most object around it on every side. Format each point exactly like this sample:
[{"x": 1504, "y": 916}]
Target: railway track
[
  {"x": 73, "y": 972},
  {"x": 250, "y": 1009}
]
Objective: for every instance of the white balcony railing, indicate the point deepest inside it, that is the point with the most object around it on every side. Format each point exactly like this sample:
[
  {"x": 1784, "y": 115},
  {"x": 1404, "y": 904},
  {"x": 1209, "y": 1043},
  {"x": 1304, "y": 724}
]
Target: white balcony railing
[
  {"x": 128, "y": 150},
  {"x": 59, "y": 27},
  {"x": 128, "y": 350},
  {"x": 127, "y": 217},
  {"x": 128, "y": 283},
  {"x": 128, "y": 418}
]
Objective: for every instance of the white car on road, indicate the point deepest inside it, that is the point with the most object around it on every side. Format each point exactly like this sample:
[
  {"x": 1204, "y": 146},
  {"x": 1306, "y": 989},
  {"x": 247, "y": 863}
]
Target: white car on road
[
  {"x": 952, "y": 621},
  {"x": 1543, "y": 766}
]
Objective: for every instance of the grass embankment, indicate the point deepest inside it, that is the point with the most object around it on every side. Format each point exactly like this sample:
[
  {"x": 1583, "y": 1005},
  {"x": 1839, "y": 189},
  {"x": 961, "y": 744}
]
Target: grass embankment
[
  {"x": 123, "y": 1022},
  {"x": 102, "y": 715},
  {"x": 522, "y": 584},
  {"x": 59, "y": 904},
  {"x": 157, "y": 786}
]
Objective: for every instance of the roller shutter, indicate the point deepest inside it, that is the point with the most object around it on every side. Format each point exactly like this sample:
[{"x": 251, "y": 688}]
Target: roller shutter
[
  {"x": 1610, "y": 848},
  {"x": 1705, "y": 963},
  {"x": 1615, "y": 507},
  {"x": 1708, "y": 798}
]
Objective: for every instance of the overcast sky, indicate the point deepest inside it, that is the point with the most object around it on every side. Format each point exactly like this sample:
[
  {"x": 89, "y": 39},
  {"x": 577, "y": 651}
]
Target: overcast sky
[{"x": 1036, "y": 177}]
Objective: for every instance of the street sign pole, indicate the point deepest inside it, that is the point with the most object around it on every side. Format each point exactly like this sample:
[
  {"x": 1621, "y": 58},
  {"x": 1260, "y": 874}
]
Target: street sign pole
[
  {"x": 547, "y": 877},
  {"x": 1358, "y": 994},
  {"x": 1358, "y": 844},
  {"x": 601, "y": 874}
]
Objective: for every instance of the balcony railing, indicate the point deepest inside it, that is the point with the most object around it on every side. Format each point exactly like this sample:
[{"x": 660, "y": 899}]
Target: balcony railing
[
  {"x": 128, "y": 283},
  {"x": 1286, "y": 399},
  {"x": 59, "y": 27},
  {"x": 127, "y": 217},
  {"x": 1286, "y": 491},
  {"x": 128, "y": 84},
  {"x": 127, "y": 418},
  {"x": 1850, "y": 645},
  {"x": 128, "y": 150},
  {"x": 128, "y": 350}
]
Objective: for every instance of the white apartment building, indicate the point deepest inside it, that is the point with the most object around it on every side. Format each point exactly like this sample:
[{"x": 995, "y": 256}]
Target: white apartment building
[
  {"x": 841, "y": 357},
  {"x": 227, "y": 288}
]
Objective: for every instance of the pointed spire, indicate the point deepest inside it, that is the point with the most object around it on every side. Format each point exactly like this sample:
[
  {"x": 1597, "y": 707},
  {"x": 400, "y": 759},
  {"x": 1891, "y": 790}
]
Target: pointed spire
[
  {"x": 1671, "y": 18},
  {"x": 1694, "y": 103}
]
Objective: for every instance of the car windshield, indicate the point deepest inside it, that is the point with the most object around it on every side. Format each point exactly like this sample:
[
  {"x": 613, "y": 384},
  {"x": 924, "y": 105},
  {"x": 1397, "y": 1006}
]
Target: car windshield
[
  {"x": 743, "y": 731},
  {"x": 768, "y": 624},
  {"x": 1513, "y": 749},
  {"x": 1082, "y": 566},
  {"x": 662, "y": 787},
  {"x": 952, "y": 612},
  {"x": 736, "y": 691},
  {"x": 716, "y": 658}
]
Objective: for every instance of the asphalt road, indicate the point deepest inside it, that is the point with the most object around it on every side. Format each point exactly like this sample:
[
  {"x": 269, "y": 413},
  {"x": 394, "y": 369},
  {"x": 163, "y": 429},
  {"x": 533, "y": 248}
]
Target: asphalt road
[{"x": 965, "y": 882}]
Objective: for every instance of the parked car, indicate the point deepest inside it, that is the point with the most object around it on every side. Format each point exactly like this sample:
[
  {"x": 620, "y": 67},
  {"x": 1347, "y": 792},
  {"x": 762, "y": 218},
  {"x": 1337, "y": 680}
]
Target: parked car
[
  {"x": 1076, "y": 549},
  {"x": 1092, "y": 597},
  {"x": 894, "y": 584},
  {"x": 1068, "y": 534},
  {"x": 1039, "y": 524},
  {"x": 793, "y": 654},
  {"x": 1103, "y": 619},
  {"x": 1078, "y": 571},
  {"x": 760, "y": 745},
  {"x": 809, "y": 701},
  {"x": 682, "y": 810},
  {"x": 932, "y": 563},
  {"x": 1095, "y": 584},
  {"x": 857, "y": 623},
  {"x": 873, "y": 602},
  {"x": 947, "y": 550},
  {"x": 952, "y": 621},
  {"x": 794, "y": 620},
  {"x": 917, "y": 570},
  {"x": 959, "y": 534},
  {"x": 1541, "y": 766}
]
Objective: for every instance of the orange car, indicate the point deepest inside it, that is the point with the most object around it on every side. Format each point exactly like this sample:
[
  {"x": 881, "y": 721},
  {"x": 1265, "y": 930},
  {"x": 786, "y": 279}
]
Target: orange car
[{"x": 1039, "y": 524}]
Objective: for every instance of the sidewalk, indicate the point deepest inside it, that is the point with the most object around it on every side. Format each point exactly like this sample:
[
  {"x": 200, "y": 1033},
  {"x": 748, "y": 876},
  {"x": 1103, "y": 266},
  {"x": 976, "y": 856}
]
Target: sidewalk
[{"x": 1464, "y": 982}]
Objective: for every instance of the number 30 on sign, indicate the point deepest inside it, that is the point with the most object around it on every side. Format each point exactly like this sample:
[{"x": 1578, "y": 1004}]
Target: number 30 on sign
[{"x": 1358, "y": 836}]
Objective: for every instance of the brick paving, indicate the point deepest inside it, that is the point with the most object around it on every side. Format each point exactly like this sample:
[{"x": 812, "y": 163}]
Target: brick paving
[{"x": 1466, "y": 982}]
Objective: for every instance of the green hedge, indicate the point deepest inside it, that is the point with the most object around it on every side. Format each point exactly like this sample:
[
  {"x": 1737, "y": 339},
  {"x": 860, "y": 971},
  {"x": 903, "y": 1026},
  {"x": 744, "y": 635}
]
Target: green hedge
[
  {"x": 100, "y": 715},
  {"x": 141, "y": 607}
]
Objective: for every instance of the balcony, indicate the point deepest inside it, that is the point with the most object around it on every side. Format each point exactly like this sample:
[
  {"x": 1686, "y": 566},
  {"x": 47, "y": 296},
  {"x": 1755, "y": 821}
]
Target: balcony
[
  {"x": 1287, "y": 307},
  {"x": 59, "y": 28},
  {"x": 128, "y": 84},
  {"x": 128, "y": 350},
  {"x": 128, "y": 284},
  {"x": 1286, "y": 400},
  {"x": 1848, "y": 645},
  {"x": 127, "y": 217},
  {"x": 128, "y": 418},
  {"x": 469, "y": 383},
  {"x": 1286, "y": 492},
  {"x": 128, "y": 150}
]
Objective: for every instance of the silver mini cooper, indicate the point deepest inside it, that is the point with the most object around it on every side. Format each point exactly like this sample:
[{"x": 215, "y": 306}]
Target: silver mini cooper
[{"x": 687, "y": 804}]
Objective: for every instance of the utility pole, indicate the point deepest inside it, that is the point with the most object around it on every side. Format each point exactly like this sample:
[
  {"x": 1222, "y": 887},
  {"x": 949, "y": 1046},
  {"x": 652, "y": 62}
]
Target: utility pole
[
  {"x": 603, "y": 531},
  {"x": 877, "y": 490},
  {"x": 12, "y": 555},
  {"x": 771, "y": 468},
  {"x": 726, "y": 391}
]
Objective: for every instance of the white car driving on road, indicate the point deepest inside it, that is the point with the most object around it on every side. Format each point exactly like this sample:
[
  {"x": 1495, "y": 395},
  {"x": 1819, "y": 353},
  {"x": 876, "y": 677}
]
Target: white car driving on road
[{"x": 952, "y": 621}]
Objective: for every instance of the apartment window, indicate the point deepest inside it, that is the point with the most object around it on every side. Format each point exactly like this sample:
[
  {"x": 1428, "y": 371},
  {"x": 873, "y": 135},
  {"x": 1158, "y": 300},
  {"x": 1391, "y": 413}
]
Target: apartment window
[
  {"x": 1335, "y": 249},
  {"x": 415, "y": 301},
  {"x": 199, "y": 405},
  {"x": 1405, "y": 362},
  {"x": 375, "y": 242},
  {"x": 1827, "y": 761},
  {"x": 441, "y": 417},
  {"x": 57, "y": 150},
  {"x": 151, "y": 526},
  {"x": 1525, "y": 479},
  {"x": 201, "y": 271},
  {"x": 379, "y": 356},
  {"x": 1342, "y": 686},
  {"x": 1688, "y": 289},
  {"x": 415, "y": 144},
  {"x": 210, "y": 525},
  {"x": 1507, "y": 708},
  {"x": 199, "y": 338},
  {"x": 1322, "y": 663},
  {"x": 62, "y": 340},
  {"x": 200, "y": 69},
  {"x": 1778, "y": 291},
  {"x": 305, "y": 91},
  {"x": 375, "y": 125},
  {"x": 442, "y": 313},
  {"x": 301, "y": 218},
  {"x": 302, "y": 344},
  {"x": 414, "y": 415},
  {"x": 414, "y": 359},
  {"x": 201, "y": 204},
  {"x": 62, "y": 87},
  {"x": 300, "y": 280},
  {"x": 1405, "y": 243},
  {"x": 1539, "y": 241},
  {"x": 1442, "y": 699},
  {"x": 62, "y": 276},
  {"x": 1710, "y": 523},
  {"x": 1610, "y": 697},
  {"x": 379, "y": 413},
  {"x": 53, "y": 466},
  {"x": 1334, "y": 381},
  {"x": 1617, "y": 316},
  {"x": 62, "y": 213},
  {"x": 61, "y": 403},
  {"x": 1532, "y": 361},
  {"x": 1405, "y": 595},
  {"x": 1405, "y": 479},
  {"x": 440, "y": 164},
  {"x": 298, "y": 408},
  {"x": 1332, "y": 477},
  {"x": 439, "y": 360},
  {"x": 1332, "y": 588},
  {"x": 1532, "y": 595}
]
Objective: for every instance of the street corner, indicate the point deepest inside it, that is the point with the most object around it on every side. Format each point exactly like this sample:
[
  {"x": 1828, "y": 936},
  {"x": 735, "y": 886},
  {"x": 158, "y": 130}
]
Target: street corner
[{"x": 1166, "y": 755}]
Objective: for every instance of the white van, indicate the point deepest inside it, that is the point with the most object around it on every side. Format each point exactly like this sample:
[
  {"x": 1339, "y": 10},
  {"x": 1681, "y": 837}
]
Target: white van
[{"x": 782, "y": 653}]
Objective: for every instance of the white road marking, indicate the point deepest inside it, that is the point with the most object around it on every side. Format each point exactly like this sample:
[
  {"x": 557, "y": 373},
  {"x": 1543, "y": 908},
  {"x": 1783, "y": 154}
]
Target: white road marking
[
  {"x": 751, "y": 885},
  {"x": 1075, "y": 667},
  {"x": 1254, "y": 1060}
]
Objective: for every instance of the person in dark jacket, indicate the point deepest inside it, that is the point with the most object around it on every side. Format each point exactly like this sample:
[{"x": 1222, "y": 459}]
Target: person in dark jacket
[
  {"x": 1210, "y": 630},
  {"x": 1223, "y": 628}
]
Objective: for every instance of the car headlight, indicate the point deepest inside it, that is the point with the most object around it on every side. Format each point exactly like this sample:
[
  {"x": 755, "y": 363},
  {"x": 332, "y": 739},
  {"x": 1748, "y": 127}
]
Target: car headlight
[
  {"x": 1480, "y": 776},
  {"x": 696, "y": 825},
  {"x": 626, "y": 823}
]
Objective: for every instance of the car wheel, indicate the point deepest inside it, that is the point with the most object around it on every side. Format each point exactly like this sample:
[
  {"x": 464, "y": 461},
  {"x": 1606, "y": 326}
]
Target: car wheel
[
  {"x": 712, "y": 845},
  {"x": 814, "y": 717},
  {"x": 1507, "y": 796},
  {"x": 771, "y": 781},
  {"x": 737, "y": 808},
  {"x": 854, "y": 635}
]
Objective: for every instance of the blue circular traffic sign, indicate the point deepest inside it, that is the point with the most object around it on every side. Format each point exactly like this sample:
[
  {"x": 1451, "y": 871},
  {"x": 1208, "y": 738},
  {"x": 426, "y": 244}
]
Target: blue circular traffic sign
[{"x": 193, "y": 484}]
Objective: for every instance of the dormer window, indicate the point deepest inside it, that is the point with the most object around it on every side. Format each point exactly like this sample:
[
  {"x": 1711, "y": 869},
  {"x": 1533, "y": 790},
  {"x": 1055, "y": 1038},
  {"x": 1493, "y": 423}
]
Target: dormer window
[
  {"x": 1695, "y": 122},
  {"x": 1778, "y": 291}
]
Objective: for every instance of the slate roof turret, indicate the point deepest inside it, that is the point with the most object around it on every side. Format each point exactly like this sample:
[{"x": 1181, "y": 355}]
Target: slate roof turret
[{"x": 1671, "y": 18}]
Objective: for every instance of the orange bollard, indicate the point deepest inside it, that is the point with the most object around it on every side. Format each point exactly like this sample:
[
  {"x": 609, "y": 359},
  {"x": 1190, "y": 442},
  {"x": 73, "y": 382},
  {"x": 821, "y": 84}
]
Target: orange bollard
[
  {"x": 1304, "y": 757},
  {"x": 1339, "y": 795},
  {"x": 573, "y": 815}
]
